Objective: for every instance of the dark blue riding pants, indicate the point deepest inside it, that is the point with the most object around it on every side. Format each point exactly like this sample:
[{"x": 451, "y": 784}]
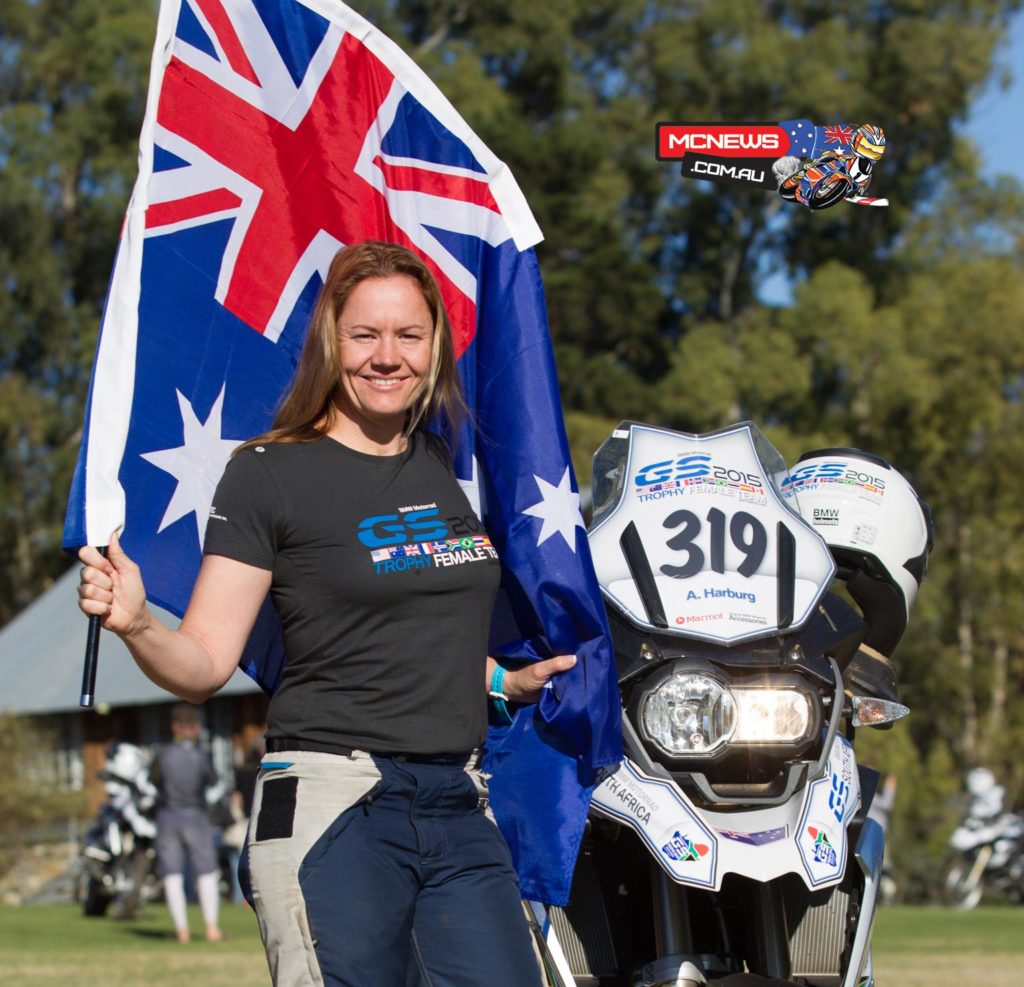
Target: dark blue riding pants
[{"x": 370, "y": 870}]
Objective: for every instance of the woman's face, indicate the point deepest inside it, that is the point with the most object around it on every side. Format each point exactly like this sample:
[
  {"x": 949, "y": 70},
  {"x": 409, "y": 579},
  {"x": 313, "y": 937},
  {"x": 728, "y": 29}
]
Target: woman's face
[{"x": 385, "y": 335}]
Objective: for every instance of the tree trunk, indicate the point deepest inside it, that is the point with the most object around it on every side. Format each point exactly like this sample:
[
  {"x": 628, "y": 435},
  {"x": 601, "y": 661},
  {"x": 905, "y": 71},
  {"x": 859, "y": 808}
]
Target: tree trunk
[
  {"x": 965, "y": 640},
  {"x": 731, "y": 268},
  {"x": 996, "y": 719}
]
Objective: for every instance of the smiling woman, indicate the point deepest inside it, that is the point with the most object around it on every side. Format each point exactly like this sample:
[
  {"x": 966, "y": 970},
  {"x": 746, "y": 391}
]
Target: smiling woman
[
  {"x": 349, "y": 516},
  {"x": 379, "y": 328},
  {"x": 385, "y": 337}
]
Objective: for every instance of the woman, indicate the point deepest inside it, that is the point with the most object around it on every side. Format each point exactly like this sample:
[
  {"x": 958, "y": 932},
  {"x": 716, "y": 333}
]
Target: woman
[{"x": 370, "y": 851}]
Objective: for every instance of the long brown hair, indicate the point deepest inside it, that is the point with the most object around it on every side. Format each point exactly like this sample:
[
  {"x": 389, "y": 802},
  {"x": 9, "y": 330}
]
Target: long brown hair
[{"x": 307, "y": 411}]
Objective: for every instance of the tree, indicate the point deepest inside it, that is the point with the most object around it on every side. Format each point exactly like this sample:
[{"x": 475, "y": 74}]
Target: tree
[
  {"x": 72, "y": 88},
  {"x": 640, "y": 265}
]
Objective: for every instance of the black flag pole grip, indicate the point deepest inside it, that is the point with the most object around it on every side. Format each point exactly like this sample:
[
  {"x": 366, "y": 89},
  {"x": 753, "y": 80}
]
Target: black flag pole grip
[{"x": 92, "y": 654}]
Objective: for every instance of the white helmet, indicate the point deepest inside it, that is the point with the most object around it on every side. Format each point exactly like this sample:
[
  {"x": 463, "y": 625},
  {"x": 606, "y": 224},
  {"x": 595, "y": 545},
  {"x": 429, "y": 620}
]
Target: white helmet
[
  {"x": 880, "y": 533},
  {"x": 980, "y": 781},
  {"x": 125, "y": 761}
]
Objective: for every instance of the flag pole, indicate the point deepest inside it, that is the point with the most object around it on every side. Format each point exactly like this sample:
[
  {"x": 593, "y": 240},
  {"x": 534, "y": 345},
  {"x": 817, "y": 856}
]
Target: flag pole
[{"x": 92, "y": 653}]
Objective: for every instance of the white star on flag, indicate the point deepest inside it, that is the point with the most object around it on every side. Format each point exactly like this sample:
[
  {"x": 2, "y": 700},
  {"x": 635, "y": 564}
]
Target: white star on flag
[
  {"x": 471, "y": 488},
  {"x": 559, "y": 510},
  {"x": 197, "y": 464}
]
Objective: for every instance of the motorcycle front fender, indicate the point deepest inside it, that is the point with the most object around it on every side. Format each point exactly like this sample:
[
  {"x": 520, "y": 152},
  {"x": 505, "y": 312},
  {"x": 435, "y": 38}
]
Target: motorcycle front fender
[{"x": 697, "y": 847}]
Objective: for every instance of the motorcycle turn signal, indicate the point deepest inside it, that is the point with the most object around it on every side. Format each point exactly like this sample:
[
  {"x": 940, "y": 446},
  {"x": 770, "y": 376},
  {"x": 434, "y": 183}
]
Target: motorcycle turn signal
[{"x": 870, "y": 712}]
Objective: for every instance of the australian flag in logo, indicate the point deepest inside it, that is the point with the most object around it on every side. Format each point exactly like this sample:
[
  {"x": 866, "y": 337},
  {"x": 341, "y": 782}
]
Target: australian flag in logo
[
  {"x": 277, "y": 131},
  {"x": 809, "y": 140}
]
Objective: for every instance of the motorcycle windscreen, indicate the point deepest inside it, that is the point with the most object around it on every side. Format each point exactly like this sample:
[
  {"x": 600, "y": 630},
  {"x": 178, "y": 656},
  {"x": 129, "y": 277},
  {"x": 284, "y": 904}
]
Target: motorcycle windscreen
[{"x": 696, "y": 538}]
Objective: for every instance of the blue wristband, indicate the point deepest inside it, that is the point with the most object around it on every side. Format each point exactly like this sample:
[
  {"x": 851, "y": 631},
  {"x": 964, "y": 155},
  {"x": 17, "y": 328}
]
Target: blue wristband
[{"x": 498, "y": 697}]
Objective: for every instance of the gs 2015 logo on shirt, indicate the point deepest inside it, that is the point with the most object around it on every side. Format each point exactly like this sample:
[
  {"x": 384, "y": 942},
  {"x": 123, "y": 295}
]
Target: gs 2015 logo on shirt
[
  {"x": 419, "y": 538},
  {"x": 383, "y": 530}
]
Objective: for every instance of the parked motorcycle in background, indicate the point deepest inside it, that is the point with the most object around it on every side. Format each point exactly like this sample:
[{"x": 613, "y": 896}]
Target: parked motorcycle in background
[
  {"x": 118, "y": 852},
  {"x": 732, "y": 846},
  {"x": 989, "y": 847}
]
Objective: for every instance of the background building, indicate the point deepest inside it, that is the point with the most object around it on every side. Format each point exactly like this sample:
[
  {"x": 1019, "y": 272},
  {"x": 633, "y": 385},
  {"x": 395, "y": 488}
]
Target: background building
[{"x": 41, "y": 653}]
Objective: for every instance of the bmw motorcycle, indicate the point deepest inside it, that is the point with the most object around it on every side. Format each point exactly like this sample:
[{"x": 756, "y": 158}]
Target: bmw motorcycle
[
  {"x": 988, "y": 847},
  {"x": 118, "y": 851},
  {"x": 753, "y": 612}
]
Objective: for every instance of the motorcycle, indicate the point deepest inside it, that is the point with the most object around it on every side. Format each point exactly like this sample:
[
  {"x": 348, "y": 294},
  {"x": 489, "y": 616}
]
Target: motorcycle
[
  {"x": 989, "y": 847},
  {"x": 732, "y": 845},
  {"x": 119, "y": 849}
]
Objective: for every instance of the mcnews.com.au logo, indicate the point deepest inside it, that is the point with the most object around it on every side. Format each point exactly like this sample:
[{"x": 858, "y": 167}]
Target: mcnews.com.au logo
[{"x": 806, "y": 163}]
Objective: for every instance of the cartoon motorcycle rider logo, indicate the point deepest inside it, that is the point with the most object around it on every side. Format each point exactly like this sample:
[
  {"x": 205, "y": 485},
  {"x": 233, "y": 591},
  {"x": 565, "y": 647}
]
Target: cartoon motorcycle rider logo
[{"x": 835, "y": 175}]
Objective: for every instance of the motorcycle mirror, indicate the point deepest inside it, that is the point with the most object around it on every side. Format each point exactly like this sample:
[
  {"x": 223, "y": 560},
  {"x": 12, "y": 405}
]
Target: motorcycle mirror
[{"x": 871, "y": 712}]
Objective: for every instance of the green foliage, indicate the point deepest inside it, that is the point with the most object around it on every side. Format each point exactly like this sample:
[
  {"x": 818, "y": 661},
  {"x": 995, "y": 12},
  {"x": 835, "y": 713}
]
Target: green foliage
[
  {"x": 73, "y": 77},
  {"x": 28, "y": 798},
  {"x": 926, "y": 809},
  {"x": 585, "y": 434}
]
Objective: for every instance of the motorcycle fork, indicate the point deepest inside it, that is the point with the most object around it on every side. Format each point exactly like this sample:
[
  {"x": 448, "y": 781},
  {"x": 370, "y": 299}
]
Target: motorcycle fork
[
  {"x": 769, "y": 931},
  {"x": 768, "y": 934},
  {"x": 980, "y": 863},
  {"x": 673, "y": 934},
  {"x": 114, "y": 839},
  {"x": 676, "y": 966}
]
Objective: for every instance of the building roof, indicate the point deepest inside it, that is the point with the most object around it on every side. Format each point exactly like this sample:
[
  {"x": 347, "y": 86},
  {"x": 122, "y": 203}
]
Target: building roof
[{"x": 41, "y": 657}]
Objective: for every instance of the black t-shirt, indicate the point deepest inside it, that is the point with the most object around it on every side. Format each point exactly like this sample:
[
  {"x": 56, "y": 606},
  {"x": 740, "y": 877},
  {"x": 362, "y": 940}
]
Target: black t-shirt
[{"x": 384, "y": 580}]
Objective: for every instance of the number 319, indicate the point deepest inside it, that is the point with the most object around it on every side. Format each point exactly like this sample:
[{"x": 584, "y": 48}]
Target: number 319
[{"x": 745, "y": 532}]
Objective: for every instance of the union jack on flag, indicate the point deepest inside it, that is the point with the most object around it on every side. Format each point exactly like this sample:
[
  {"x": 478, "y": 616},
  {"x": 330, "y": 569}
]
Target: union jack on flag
[
  {"x": 275, "y": 132},
  {"x": 839, "y": 135}
]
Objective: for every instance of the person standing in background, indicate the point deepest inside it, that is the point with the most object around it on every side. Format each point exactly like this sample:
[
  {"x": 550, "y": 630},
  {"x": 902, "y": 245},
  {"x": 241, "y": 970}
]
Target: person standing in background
[{"x": 182, "y": 775}]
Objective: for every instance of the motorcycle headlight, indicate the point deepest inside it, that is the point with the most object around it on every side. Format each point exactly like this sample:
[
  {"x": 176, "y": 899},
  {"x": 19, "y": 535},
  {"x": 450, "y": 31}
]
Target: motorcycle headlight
[
  {"x": 689, "y": 713},
  {"x": 692, "y": 714},
  {"x": 772, "y": 716}
]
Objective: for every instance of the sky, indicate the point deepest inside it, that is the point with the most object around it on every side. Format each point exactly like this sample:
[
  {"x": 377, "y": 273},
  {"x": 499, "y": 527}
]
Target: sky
[{"x": 996, "y": 120}]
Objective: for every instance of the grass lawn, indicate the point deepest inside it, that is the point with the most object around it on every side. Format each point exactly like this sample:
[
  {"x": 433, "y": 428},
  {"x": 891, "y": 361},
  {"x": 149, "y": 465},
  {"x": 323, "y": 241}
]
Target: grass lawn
[
  {"x": 924, "y": 947},
  {"x": 55, "y": 945}
]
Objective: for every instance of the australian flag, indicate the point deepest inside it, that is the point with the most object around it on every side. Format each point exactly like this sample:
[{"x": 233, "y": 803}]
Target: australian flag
[
  {"x": 277, "y": 131},
  {"x": 809, "y": 140}
]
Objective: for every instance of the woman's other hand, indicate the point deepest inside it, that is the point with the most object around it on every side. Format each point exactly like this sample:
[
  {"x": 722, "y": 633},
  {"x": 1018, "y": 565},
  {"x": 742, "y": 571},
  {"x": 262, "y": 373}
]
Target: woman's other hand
[
  {"x": 524, "y": 685},
  {"x": 111, "y": 588}
]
